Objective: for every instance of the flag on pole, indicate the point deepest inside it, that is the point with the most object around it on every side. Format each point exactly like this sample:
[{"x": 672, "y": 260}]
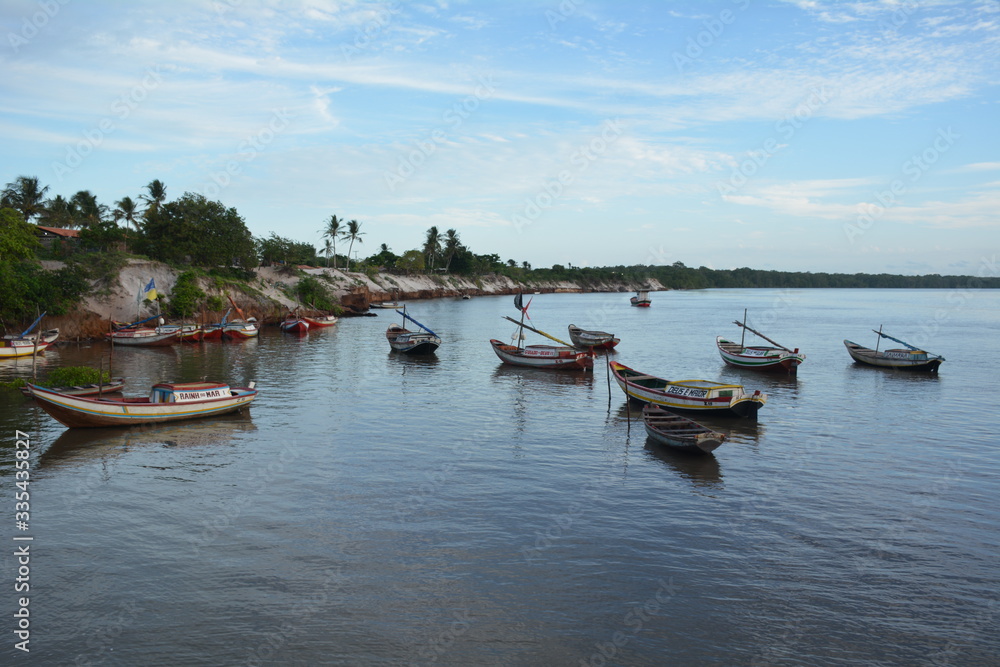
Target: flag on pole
[
  {"x": 149, "y": 292},
  {"x": 518, "y": 303}
]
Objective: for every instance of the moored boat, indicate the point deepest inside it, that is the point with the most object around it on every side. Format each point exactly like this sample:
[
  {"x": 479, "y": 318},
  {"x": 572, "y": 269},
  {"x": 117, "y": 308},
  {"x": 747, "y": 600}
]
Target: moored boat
[
  {"x": 701, "y": 396},
  {"x": 597, "y": 340},
  {"x": 144, "y": 337},
  {"x": 294, "y": 324},
  {"x": 774, "y": 358},
  {"x": 910, "y": 358},
  {"x": 548, "y": 357},
  {"x": 403, "y": 340},
  {"x": 641, "y": 299},
  {"x": 320, "y": 321},
  {"x": 166, "y": 402},
  {"x": 26, "y": 343},
  {"x": 679, "y": 432},
  {"x": 385, "y": 305}
]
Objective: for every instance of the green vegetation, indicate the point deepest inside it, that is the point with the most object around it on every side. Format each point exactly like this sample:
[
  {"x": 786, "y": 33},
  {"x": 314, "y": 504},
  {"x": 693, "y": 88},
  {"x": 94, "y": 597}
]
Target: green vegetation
[
  {"x": 186, "y": 296},
  {"x": 69, "y": 376}
]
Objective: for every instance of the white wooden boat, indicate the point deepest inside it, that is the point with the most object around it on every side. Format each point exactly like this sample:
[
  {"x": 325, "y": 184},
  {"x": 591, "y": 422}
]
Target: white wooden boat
[
  {"x": 773, "y": 358},
  {"x": 598, "y": 340},
  {"x": 641, "y": 299},
  {"x": 906, "y": 358},
  {"x": 155, "y": 337},
  {"x": 700, "y": 396},
  {"x": 549, "y": 357},
  {"x": 679, "y": 432},
  {"x": 320, "y": 321},
  {"x": 26, "y": 343},
  {"x": 166, "y": 402}
]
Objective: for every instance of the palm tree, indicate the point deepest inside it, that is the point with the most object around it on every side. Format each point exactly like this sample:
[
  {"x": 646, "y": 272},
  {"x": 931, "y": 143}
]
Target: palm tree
[
  {"x": 451, "y": 245},
  {"x": 25, "y": 195},
  {"x": 127, "y": 210},
  {"x": 86, "y": 210},
  {"x": 156, "y": 195},
  {"x": 334, "y": 230},
  {"x": 432, "y": 246},
  {"x": 327, "y": 247},
  {"x": 58, "y": 212},
  {"x": 353, "y": 233},
  {"x": 526, "y": 265}
]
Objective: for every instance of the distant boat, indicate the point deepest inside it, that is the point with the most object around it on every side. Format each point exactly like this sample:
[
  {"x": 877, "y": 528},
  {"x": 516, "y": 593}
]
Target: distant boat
[
  {"x": 911, "y": 358},
  {"x": 239, "y": 329},
  {"x": 386, "y": 305},
  {"x": 702, "y": 396},
  {"x": 641, "y": 299},
  {"x": 132, "y": 335},
  {"x": 548, "y": 357},
  {"x": 166, "y": 402},
  {"x": 679, "y": 432},
  {"x": 758, "y": 357},
  {"x": 25, "y": 344},
  {"x": 320, "y": 321},
  {"x": 110, "y": 387},
  {"x": 403, "y": 340},
  {"x": 598, "y": 340}
]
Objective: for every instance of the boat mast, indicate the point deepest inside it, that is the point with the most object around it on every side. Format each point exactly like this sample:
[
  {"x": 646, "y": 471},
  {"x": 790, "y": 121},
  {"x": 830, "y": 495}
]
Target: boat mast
[
  {"x": 743, "y": 335},
  {"x": 879, "y": 339}
]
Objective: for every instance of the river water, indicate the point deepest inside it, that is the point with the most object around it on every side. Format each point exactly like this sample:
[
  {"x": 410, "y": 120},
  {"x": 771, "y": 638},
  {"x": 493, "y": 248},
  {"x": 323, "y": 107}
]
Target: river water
[{"x": 378, "y": 509}]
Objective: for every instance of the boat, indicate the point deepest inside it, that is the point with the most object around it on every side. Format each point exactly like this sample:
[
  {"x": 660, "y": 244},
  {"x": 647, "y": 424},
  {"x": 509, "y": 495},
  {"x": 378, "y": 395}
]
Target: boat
[
  {"x": 547, "y": 357},
  {"x": 641, "y": 299},
  {"x": 403, "y": 340},
  {"x": 700, "y": 396},
  {"x": 186, "y": 333},
  {"x": 110, "y": 387},
  {"x": 27, "y": 344},
  {"x": 171, "y": 401},
  {"x": 385, "y": 305},
  {"x": 910, "y": 358},
  {"x": 679, "y": 432},
  {"x": 239, "y": 329},
  {"x": 145, "y": 337},
  {"x": 320, "y": 321},
  {"x": 597, "y": 340},
  {"x": 758, "y": 357},
  {"x": 294, "y": 324}
]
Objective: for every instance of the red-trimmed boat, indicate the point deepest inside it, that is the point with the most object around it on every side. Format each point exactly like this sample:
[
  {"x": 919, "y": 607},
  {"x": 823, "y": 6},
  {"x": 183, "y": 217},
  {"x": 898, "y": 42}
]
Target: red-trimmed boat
[
  {"x": 641, "y": 299},
  {"x": 294, "y": 324},
  {"x": 775, "y": 358},
  {"x": 112, "y": 386},
  {"x": 547, "y": 357},
  {"x": 26, "y": 344}
]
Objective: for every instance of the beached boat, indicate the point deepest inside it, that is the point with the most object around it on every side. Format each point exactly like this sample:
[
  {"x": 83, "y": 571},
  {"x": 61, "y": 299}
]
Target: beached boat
[
  {"x": 774, "y": 358},
  {"x": 320, "y": 321},
  {"x": 403, "y": 340},
  {"x": 294, "y": 324},
  {"x": 679, "y": 432},
  {"x": 166, "y": 402},
  {"x": 910, "y": 358},
  {"x": 598, "y": 340},
  {"x": 701, "y": 396},
  {"x": 548, "y": 357},
  {"x": 641, "y": 299},
  {"x": 112, "y": 386}
]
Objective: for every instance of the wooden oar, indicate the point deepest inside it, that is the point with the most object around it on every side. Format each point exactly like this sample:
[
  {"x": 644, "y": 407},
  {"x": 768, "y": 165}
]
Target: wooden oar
[{"x": 537, "y": 331}]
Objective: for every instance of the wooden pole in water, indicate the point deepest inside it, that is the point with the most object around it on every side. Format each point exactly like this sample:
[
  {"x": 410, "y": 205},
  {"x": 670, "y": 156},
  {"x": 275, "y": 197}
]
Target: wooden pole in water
[
  {"x": 879, "y": 339},
  {"x": 744, "y": 336},
  {"x": 100, "y": 377},
  {"x": 607, "y": 369}
]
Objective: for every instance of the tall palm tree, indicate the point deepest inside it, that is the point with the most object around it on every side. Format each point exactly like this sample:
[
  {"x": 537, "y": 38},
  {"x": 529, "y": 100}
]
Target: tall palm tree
[
  {"x": 156, "y": 194},
  {"x": 451, "y": 245},
  {"x": 353, "y": 233},
  {"x": 86, "y": 210},
  {"x": 432, "y": 246},
  {"x": 58, "y": 212},
  {"x": 334, "y": 230},
  {"x": 25, "y": 195},
  {"x": 327, "y": 247},
  {"x": 128, "y": 210}
]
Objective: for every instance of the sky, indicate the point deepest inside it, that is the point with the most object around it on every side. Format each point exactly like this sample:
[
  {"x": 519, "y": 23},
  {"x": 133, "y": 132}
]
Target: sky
[{"x": 793, "y": 135}]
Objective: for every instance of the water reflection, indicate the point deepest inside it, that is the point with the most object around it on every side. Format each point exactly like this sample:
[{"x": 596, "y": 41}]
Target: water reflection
[
  {"x": 79, "y": 445},
  {"x": 702, "y": 470},
  {"x": 542, "y": 378}
]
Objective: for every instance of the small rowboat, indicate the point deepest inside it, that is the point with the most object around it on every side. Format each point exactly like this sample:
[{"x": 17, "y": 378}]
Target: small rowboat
[
  {"x": 386, "y": 305},
  {"x": 678, "y": 432},
  {"x": 320, "y": 321},
  {"x": 702, "y": 396},
  {"x": 295, "y": 325},
  {"x": 911, "y": 358},
  {"x": 110, "y": 387},
  {"x": 758, "y": 357},
  {"x": 166, "y": 402},
  {"x": 641, "y": 299},
  {"x": 160, "y": 336},
  {"x": 597, "y": 340},
  {"x": 403, "y": 340}
]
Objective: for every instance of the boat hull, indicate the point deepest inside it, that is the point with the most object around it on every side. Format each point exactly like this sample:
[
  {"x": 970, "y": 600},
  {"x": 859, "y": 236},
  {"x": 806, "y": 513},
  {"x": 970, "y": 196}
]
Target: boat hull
[
  {"x": 110, "y": 387},
  {"x": 144, "y": 337},
  {"x": 679, "y": 433},
  {"x": 240, "y": 331},
  {"x": 322, "y": 321},
  {"x": 12, "y": 349},
  {"x": 411, "y": 342},
  {"x": 640, "y": 303},
  {"x": 295, "y": 326},
  {"x": 548, "y": 357},
  {"x": 766, "y": 359},
  {"x": 82, "y": 412},
  {"x": 693, "y": 396},
  {"x": 909, "y": 360},
  {"x": 596, "y": 340}
]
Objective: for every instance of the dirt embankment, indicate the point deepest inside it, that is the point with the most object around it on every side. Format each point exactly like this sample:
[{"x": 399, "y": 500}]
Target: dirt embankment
[{"x": 267, "y": 297}]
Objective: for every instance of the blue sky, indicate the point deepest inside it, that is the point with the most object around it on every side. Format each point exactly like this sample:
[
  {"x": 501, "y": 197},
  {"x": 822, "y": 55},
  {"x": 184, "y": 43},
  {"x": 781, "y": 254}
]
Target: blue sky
[{"x": 797, "y": 135}]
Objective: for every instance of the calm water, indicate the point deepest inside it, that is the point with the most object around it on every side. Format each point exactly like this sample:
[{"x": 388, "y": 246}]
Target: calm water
[{"x": 375, "y": 509}]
